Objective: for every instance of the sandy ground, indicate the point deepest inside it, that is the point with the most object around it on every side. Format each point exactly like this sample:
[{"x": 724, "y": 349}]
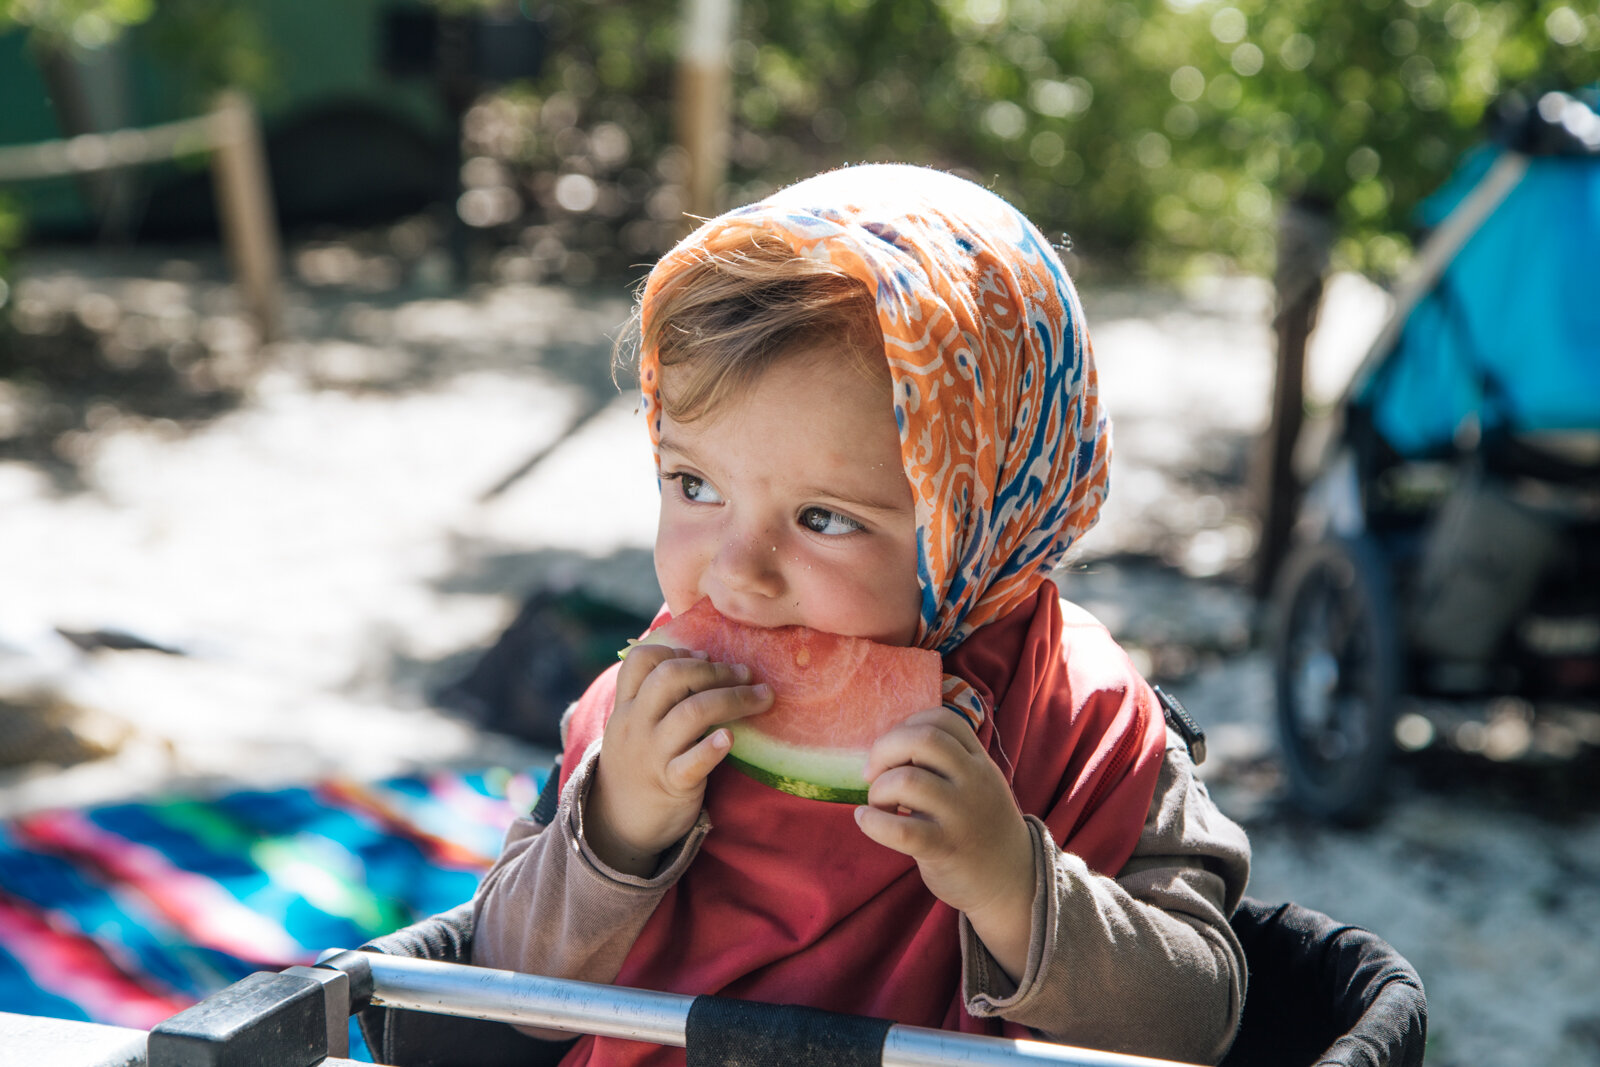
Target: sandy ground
[{"x": 332, "y": 529}]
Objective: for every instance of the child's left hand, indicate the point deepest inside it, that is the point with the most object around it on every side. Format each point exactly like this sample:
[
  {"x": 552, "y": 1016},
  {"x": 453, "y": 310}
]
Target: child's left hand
[{"x": 936, "y": 796}]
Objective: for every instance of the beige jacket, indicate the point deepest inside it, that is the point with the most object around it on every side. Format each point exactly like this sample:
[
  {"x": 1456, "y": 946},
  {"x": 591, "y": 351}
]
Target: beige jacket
[{"x": 1144, "y": 963}]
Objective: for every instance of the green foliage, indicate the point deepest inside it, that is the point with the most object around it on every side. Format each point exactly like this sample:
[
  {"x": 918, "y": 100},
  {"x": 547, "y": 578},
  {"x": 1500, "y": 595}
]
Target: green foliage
[
  {"x": 212, "y": 46},
  {"x": 465, "y": 7},
  {"x": 1360, "y": 106},
  {"x": 1155, "y": 130},
  {"x": 84, "y": 23},
  {"x": 11, "y": 231},
  {"x": 1152, "y": 131}
]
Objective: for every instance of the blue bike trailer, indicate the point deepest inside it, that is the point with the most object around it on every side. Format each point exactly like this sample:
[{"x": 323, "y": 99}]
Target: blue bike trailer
[{"x": 1497, "y": 329}]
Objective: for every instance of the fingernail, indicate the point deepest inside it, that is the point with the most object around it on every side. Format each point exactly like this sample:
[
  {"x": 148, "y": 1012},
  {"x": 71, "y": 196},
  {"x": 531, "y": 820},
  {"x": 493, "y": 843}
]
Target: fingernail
[
  {"x": 861, "y": 813},
  {"x": 763, "y": 691},
  {"x": 697, "y": 654},
  {"x": 722, "y": 739}
]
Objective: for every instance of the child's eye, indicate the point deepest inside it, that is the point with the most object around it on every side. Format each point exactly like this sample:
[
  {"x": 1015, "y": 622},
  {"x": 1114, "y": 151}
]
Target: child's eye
[
  {"x": 694, "y": 488},
  {"x": 823, "y": 521}
]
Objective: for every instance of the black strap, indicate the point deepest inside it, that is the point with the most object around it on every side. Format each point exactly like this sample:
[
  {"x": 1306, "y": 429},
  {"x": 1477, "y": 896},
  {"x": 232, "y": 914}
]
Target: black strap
[
  {"x": 545, "y": 810},
  {"x": 723, "y": 1032},
  {"x": 1179, "y": 719}
]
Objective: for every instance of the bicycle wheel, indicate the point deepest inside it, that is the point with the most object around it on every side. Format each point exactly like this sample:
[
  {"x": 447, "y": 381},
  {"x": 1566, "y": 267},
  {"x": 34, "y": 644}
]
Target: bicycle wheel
[{"x": 1337, "y": 667}]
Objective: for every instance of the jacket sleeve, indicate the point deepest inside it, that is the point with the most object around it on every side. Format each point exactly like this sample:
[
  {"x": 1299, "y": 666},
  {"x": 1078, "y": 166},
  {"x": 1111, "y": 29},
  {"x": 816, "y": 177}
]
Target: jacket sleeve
[
  {"x": 550, "y": 906},
  {"x": 1143, "y": 963}
]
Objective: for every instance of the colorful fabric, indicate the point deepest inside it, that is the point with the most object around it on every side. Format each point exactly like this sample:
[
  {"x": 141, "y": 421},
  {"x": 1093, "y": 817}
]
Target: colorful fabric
[
  {"x": 1001, "y": 431},
  {"x": 1005, "y": 446},
  {"x": 128, "y": 913}
]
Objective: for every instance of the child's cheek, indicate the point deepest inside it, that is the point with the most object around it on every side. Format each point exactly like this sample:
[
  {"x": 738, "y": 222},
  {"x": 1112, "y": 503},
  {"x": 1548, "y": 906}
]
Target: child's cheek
[{"x": 676, "y": 571}]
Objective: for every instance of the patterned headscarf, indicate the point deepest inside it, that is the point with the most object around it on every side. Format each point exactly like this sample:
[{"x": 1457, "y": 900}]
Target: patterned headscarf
[{"x": 1001, "y": 433}]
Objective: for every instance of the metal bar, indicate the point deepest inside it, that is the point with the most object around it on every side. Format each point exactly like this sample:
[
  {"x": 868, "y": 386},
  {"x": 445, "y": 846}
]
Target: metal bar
[
  {"x": 530, "y": 1000},
  {"x": 918, "y": 1046},
  {"x": 662, "y": 1018}
]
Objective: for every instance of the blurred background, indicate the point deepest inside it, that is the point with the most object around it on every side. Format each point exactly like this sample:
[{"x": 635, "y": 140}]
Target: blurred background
[{"x": 318, "y": 500}]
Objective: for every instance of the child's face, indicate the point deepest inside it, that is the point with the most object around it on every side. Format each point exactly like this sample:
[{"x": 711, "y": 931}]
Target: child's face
[{"x": 788, "y": 505}]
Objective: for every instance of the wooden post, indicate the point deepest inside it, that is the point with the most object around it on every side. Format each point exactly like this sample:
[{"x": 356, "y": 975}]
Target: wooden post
[
  {"x": 244, "y": 208},
  {"x": 703, "y": 89},
  {"x": 1305, "y": 241}
]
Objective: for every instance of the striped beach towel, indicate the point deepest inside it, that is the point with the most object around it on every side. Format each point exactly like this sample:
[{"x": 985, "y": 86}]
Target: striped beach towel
[{"x": 127, "y": 913}]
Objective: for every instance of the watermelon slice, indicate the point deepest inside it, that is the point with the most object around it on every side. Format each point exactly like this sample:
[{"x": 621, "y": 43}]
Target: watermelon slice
[{"x": 833, "y": 697}]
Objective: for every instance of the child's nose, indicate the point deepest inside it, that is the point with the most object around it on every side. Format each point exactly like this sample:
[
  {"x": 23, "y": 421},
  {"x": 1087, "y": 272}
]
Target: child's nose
[{"x": 749, "y": 564}]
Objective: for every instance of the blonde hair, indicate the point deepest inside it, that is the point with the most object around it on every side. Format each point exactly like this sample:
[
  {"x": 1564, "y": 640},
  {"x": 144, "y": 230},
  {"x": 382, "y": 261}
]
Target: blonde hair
[{"x": 741, "y": 306}]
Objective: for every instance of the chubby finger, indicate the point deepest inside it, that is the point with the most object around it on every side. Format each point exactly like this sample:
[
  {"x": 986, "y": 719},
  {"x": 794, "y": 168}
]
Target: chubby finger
[
  {"x": 691, "y": 718},
  {"x": 641, "y": 661},
  {"x": 912, "y": 835},
  {"x": 914, "y": 790},
  {"x": 676, "y": 679},
  {"x": 686, "y": 772},
  {"x": 948, "y": 721},
  {"x": 925, "y": 741}
]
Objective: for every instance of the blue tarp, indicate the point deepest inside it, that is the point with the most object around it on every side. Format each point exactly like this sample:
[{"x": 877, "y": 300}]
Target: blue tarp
[{"x": 1511, "y": 332}]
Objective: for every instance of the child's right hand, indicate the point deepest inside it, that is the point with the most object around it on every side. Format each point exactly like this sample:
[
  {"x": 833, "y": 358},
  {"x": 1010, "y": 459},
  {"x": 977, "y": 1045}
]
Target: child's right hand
[{"x": 651, "y": 776}]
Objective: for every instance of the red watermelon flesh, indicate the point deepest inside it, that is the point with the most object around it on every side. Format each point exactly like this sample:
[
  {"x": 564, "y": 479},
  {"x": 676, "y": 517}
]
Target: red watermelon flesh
[{"x": 833, "y": 696}]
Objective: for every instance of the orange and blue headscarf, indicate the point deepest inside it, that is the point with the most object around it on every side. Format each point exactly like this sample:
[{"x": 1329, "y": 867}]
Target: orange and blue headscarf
[{"x": 1002, "y": 435}]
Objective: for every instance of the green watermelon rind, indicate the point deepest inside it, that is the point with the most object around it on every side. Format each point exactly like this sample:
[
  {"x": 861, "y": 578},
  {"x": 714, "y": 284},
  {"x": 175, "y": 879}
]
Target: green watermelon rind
[
  {"x": 832, "y": 775},
  {"x": 797, "y": 787}
]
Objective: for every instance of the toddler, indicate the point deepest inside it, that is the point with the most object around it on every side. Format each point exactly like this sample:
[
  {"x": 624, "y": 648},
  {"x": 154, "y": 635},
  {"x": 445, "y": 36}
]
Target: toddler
[{"x": 874, "y": 411}]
